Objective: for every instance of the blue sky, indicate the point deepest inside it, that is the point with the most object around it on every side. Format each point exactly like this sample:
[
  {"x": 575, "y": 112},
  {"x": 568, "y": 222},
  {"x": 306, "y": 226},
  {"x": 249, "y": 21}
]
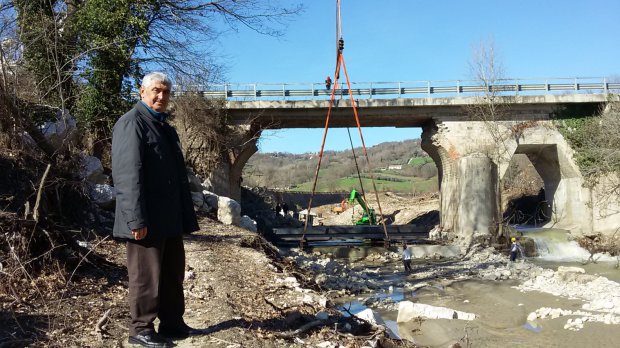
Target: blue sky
[{"x": 407, "y": 40}]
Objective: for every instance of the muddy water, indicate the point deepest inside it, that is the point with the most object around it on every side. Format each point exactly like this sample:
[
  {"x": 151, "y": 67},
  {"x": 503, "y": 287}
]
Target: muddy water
[
  {"x": 501, "y": 310},
  {"x": 501, "y": 319}
]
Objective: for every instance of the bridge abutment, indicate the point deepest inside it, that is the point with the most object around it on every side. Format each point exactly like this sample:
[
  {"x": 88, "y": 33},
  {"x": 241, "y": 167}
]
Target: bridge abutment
[
  {"x": 472, "y": 158},
  {"x": 226, "y": 178}
]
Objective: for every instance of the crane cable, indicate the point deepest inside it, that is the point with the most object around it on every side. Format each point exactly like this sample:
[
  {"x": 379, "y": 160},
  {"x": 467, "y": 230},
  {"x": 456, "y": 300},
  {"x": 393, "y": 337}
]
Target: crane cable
[
  {"x": 340, "y": 62},
  {"x": 359, "y": 176}
]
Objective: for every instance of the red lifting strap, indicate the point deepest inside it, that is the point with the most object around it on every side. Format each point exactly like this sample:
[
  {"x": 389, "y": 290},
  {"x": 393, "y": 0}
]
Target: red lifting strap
[{"x": 339, "y": 63}]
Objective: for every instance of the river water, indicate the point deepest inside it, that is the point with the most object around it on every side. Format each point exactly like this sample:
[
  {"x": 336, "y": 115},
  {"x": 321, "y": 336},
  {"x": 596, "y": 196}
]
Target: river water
[{"x": 501, "y": 310}]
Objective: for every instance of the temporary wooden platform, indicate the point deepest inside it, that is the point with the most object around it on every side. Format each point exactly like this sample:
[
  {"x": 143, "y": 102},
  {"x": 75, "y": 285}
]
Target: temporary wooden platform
[{"x": 346, "y": 235}]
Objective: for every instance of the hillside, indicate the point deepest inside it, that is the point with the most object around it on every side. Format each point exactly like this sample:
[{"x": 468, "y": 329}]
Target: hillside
[{"x": 397, "y": 166}]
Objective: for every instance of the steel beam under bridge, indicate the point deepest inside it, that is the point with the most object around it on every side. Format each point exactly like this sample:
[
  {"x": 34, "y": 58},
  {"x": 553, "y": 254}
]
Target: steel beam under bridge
[
  {"x": 345, "y": 234},
  {"x": 398, "y": 112}
]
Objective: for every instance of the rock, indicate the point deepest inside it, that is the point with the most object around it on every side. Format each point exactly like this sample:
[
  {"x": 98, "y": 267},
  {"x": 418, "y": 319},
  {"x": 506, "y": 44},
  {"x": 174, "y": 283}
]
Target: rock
[
  {"x": 92, "y": 170},
  {"x": 320, "y": 279},
  {"x": 435, "y": 233},
  {"x": 103, "y": 195},
  {"x": 490, "y": 276},
  {"x": 322, "y": 316},
  {"x": 62, "y": 131},
  {"x": 574, "y": 274},
  {"x": 323, "y": 301},
  {"x": 247, "y": 223},
  {"x": 198, "y": 199},
  {"x": 370, "y": 316},
  {"x": 228, "y": 211},
  {"x": 194, "y": 182},
  {"x": 565, "y": 269},
  {"x": 207, "y": 184},
  {"x": 290, "y": 282},
  {"x": 408, "y": 311},
  {"x": 211, "y": 199}
]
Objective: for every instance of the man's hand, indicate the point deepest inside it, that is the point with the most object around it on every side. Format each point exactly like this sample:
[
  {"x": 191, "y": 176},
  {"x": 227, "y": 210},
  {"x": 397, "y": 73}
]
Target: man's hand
[{"x": 139, "y": 233}]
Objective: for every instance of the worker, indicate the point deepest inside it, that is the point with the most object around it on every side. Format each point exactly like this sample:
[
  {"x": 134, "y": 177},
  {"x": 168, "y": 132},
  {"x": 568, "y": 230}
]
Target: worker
[
  {"x": 328, "y": 82},
  {"x": 407, "y": 258},
  {"x": 514, "y": 249}
]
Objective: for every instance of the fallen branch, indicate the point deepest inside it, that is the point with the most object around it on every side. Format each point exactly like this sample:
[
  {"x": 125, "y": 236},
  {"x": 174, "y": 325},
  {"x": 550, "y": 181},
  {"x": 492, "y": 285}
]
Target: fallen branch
[
  {"x": 302, "y": 329},
  {"x": 100, "y": 323},
  {"x": 84, "y": 258},
  {"x": 277, "y": 308},
  {"x": 35, "y": 212}
]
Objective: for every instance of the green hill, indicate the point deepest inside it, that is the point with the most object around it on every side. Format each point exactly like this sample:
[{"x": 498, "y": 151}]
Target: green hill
[{"x": 410, "y": 169}]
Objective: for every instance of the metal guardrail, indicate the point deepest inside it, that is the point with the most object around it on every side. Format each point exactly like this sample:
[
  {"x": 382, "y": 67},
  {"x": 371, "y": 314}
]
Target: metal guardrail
[{"x": 428, "y": 89}]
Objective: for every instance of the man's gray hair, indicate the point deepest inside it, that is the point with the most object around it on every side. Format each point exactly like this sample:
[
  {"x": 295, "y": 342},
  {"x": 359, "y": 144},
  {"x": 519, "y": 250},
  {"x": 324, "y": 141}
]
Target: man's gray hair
[{"x": 156, "y": 76}]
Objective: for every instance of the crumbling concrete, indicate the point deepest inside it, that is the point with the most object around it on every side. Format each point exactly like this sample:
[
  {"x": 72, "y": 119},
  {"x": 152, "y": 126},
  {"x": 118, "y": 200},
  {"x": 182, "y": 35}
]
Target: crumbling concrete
[{"x": 473, "y": 156}]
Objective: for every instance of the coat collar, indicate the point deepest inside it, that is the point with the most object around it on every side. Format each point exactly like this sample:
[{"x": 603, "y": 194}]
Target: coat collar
[{"x": 144, "y": 110}]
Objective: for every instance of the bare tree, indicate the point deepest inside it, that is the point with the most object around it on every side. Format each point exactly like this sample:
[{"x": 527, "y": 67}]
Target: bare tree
[{"x": 490, "y": 107}]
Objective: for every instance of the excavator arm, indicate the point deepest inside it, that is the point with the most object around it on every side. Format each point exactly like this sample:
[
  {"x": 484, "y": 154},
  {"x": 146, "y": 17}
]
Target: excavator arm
[{"x": 368, "y": 217}]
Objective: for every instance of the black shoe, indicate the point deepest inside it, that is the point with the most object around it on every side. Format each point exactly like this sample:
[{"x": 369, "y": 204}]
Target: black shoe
[
  {"x": 150, "y": 339},
  {"x": 180, "y": 331}
]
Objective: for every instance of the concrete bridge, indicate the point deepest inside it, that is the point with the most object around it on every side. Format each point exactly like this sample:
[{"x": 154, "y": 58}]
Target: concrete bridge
[{"x": 472, "y": 151}]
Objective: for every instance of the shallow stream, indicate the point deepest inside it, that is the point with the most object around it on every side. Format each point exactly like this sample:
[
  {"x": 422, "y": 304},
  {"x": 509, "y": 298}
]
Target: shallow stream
[{"x": 501, "y": 310}]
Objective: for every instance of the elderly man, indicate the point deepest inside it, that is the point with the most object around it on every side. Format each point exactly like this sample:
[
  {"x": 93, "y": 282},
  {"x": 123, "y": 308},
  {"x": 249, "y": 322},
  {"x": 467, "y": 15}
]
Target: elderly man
[{"x": 153, "y": 210}]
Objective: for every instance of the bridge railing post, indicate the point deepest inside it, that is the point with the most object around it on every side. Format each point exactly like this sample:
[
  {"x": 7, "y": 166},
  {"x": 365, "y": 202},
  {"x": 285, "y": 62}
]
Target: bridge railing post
[
  {"x": 576, "y": 85},
  {"x": 517, "y": 87},
  {"x": 370, "y": 91},
  {"x": 400, "y": 90}
]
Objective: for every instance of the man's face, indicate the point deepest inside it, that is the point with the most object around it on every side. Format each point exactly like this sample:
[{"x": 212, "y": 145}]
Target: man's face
[{"x": 156, "y": 96}]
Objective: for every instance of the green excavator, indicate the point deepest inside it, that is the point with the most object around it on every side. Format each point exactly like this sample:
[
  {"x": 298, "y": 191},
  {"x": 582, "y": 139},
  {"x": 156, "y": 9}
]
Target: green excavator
[{"x": 368, "y": 215}]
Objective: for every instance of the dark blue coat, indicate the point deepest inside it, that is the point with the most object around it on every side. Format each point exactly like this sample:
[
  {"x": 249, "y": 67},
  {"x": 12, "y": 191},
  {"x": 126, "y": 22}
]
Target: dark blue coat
[{"x": 150, "y": 178}]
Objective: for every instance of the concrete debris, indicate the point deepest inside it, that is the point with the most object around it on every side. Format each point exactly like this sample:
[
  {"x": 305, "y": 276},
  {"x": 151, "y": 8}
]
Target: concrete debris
[
  {"x": 408, "y": 311},
  {"x": 375, "y": 319}
]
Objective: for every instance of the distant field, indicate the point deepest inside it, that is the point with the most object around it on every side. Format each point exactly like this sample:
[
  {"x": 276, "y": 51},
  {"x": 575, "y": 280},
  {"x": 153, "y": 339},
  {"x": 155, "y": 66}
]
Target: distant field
[
  {"x": 416, "y": 161},
  {"x": 411, "y": 184}
]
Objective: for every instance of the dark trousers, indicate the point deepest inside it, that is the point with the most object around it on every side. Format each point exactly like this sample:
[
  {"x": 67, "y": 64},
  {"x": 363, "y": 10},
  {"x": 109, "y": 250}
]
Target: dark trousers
[
  {"x": 513, "y": 255},
  {"x": 156, "y": 272},
  {"x": 407, "y": 264}
]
